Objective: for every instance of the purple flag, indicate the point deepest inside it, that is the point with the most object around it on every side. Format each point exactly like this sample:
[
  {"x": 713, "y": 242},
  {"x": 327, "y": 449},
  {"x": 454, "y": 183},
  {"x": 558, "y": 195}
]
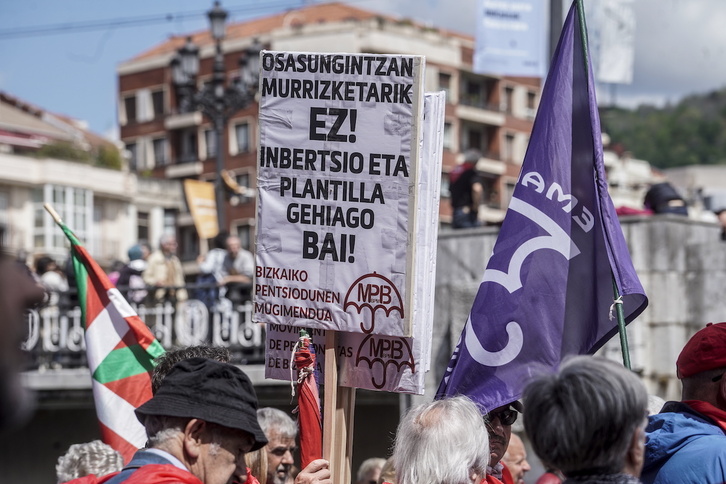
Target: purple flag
[{"x": 547, "y": 290}]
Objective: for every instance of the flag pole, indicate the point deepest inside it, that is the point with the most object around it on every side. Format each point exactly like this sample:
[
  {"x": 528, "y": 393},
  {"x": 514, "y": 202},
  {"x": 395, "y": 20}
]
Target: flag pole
[
  {"x": 56, "y": 218},
  {"x": 617, "y": 301}
]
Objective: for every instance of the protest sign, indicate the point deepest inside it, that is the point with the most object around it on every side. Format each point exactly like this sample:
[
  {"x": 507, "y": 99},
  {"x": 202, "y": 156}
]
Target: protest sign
[
  {"x": 374, "y": 361},
  {"x": 202, "y": 206},
  {"x": 338, "y": 165}
]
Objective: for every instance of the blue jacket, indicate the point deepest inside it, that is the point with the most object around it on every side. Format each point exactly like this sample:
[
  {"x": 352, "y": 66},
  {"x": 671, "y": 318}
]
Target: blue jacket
[{"x": 683, "y": 446}]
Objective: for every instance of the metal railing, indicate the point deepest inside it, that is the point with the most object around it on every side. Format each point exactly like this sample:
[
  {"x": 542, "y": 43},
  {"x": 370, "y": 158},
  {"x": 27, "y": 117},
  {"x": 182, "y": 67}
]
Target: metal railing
[{"x": 56, "y": 336}]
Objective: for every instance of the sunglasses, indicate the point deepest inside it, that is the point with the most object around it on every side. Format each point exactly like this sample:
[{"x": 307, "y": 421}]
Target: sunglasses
[{"x": 506, "y": 417}]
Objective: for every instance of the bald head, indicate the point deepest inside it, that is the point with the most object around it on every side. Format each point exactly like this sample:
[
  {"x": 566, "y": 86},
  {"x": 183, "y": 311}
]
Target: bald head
[{"x": 516, "y": 459}]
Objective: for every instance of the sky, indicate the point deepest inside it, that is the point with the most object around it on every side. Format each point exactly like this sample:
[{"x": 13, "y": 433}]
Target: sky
[{"x": 70, "y": 66}]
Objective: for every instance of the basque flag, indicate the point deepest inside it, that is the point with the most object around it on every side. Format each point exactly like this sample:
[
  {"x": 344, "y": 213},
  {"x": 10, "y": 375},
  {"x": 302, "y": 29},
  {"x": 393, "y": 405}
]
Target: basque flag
[
  {"x": 120, "y": 349},
  {"x": 547, "y": 290}
]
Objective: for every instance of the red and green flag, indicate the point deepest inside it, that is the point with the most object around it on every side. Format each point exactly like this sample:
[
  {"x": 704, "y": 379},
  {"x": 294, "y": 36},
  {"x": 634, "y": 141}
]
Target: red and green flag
[{"x": 120, "y": 349}]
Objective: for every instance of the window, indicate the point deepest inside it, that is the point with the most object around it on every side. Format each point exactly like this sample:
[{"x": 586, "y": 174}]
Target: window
[
  {"x": 242, "y": 134},
  {"x": 210, "y": 137},
  {"x": 445, "y": 84},
  {"x": 531, "y": 106},
  {"x": 130, "y": 108},
  {"x": 244, "y": 232},
  {"x": 186, "y": 145},
  {"x": 157, "y": 100},
  {"x": 445, "y": 186},
  {"x": 132, "y": 152},
  {"x": 448, "y": 136},
  {"x": 474, "y": 140},
  {"x": 508, "y": 99},
  {"x": 169, "y": 221},
  {"x": 243, "y": 180},
  {"x": 142, "y": 226},
  {"x": 74, "y": 205},
  {"x": 188, "y": 243},
  {"x": 160, "y": 152},
  {"x": 509, "y": 147},
  {"x": 4, "y": 204},
  {"x": 531, "y": 98}
]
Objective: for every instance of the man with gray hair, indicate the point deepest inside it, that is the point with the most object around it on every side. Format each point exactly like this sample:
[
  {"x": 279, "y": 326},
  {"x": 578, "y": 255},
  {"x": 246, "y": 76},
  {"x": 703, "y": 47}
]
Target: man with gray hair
[
  {"x": 164, "y": 272},
  {"x": 200, "y": 424},
  {"x": 442, "y": 442},
  {"x": 281, "y": 432},
  {"x": 588, "y": 420},
  {"x": 370, "y": 470}
]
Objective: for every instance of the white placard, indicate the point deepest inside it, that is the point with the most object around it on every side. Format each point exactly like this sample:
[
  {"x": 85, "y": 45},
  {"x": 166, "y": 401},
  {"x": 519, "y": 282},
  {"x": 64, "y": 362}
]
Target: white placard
[
  {"x": 336, "y": 178},
  {"x": 378, "y": 362}
]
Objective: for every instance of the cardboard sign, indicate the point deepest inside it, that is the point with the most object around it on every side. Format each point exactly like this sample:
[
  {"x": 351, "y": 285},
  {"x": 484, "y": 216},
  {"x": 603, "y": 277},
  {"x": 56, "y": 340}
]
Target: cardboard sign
[
  {"x": 202, "y": 206},
  {"x": 338, "y": 169},
  {"x": 380, "y": 362}
]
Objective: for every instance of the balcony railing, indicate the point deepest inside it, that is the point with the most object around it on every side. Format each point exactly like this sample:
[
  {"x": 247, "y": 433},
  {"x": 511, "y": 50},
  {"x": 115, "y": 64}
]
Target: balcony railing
[
  {"x": 478, "y": 102},
  {"x": 56, "y": 336}
]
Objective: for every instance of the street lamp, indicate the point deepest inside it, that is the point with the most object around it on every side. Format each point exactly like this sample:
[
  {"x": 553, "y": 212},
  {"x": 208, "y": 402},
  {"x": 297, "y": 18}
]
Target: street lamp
[{"x": 215, "y": 100}]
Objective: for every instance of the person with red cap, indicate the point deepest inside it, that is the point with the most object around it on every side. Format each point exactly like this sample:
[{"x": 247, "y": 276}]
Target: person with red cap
[{"x": 686, "y": 441}]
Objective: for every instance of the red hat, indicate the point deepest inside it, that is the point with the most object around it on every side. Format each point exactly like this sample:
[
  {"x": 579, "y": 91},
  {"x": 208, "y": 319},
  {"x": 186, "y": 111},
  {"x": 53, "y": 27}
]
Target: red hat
[{"x": 706, "y": 350}]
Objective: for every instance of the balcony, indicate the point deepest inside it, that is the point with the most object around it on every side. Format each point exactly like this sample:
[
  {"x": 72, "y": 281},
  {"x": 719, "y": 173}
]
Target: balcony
[
  {"x": 478, "y": 110},
  {"x": 56, "y": 344},
  {"x": 183, "y": 120}
]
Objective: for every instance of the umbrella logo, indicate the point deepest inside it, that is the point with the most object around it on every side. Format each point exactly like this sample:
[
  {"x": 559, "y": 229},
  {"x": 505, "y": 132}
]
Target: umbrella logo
[
  {"x": 377, "y": 293},
  {"x": 382, "y": 352}
]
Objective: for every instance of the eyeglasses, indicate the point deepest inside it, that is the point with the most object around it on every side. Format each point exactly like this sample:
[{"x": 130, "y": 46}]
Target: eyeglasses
[{"x": 506, "y": 417}]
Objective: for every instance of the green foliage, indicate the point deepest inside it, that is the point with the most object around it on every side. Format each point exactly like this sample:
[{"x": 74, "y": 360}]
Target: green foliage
[
  {"x": 64, "y": 150},
  {"x": 106, "y": 156},
  {"x": 693, "y": 132}
]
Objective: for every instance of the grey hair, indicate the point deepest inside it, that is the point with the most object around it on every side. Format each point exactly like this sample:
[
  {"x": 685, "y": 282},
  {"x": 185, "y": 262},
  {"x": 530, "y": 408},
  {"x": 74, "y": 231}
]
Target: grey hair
[
  {"x": 276, "y": 422},
  {"x": 93, "y": 457},
  {"x": 166, "y": 237},
  {"x": 368, "y": 466},
  {"x": 581, "y": 419},
  {"x": 160, "y": 429},
  {"x": 441, "y": 442}
]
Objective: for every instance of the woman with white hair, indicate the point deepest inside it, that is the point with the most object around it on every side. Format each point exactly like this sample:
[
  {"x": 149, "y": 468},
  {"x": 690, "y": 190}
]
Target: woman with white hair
[
  {"x": 588, "y": 420},
  {"x": 93, "y": 457},
  {"x": 442, "y": 442}
]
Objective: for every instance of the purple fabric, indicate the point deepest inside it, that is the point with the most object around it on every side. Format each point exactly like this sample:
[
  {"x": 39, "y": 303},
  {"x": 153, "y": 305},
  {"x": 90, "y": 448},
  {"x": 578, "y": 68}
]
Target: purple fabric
[{"x": 548, "y": 286}]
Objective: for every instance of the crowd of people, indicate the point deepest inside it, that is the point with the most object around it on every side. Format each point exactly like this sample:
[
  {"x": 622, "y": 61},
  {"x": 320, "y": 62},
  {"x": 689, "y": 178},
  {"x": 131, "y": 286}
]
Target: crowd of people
[
  {"x": 153, "y": 277},
  {"x": 588, "y": 422}
]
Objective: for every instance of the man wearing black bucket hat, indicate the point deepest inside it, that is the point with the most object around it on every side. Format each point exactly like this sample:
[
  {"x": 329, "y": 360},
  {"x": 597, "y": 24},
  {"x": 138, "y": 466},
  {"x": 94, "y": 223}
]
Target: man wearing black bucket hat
[{"x": 200, "y": 423}]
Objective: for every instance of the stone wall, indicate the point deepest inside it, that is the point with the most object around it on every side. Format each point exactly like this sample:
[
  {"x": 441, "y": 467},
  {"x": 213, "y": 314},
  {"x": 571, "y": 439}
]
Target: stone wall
[{"x": 681, "y": 264}]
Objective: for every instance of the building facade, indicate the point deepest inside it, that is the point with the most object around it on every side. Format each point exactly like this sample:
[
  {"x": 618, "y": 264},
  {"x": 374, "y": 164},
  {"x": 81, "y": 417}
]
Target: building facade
[
  {"x": 48, "y": 158},
  {"x": 492, "y": 114}
]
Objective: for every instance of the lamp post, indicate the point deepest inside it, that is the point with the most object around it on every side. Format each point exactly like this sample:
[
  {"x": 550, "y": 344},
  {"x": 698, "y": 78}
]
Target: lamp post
[{"x": 215, "y": 100}]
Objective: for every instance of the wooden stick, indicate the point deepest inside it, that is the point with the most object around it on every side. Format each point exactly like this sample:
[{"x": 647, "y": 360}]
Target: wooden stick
[
  {"x": 49, "y": 208},
  {"x": 338, "y": 406}
]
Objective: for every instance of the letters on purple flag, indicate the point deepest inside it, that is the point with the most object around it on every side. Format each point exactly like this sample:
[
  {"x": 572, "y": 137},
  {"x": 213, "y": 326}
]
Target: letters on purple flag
[{"x": 548, "y": 287}]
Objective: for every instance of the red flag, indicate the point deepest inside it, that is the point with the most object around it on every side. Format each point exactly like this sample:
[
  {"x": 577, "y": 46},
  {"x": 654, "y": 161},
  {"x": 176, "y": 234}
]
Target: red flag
[{"x": 308, "y": 402}]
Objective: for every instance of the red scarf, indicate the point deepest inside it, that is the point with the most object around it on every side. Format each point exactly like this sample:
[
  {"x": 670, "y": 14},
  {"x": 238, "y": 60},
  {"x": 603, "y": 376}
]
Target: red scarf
[{"x": 714, "y": 413}]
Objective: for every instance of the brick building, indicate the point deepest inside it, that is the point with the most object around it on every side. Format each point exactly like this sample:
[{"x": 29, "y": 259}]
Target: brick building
[{"x": 493, "y": 114}]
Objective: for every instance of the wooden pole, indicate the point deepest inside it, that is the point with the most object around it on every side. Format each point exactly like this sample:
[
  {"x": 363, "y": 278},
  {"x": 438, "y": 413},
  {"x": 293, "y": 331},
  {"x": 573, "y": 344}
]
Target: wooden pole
[
  {"x": 49, "y": 208},
  {"x": 338, "y": 406}
]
